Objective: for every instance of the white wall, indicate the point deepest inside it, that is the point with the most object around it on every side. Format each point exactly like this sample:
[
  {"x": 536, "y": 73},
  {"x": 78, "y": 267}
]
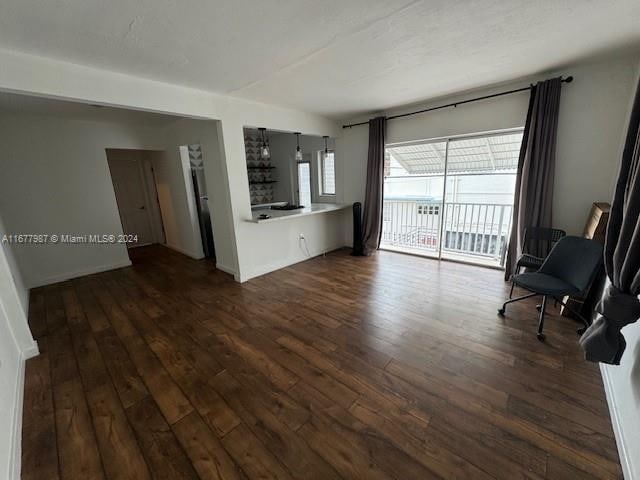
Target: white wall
[
  {"x": 16, "y": 344},
  {"x": 592, "y": 117},
  {"x": 622, "y": 385},
  {"x": 56, "y": 180},
  {"x": 22, "y": 291}
]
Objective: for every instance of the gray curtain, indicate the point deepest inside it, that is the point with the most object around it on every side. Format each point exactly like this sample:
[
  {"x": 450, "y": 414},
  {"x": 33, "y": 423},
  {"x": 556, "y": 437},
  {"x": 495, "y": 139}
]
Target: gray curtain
[
  {"x": 536, "y": 166},
  {"x": 372, "y": 218},
  {"x": 619, "y": 306}
]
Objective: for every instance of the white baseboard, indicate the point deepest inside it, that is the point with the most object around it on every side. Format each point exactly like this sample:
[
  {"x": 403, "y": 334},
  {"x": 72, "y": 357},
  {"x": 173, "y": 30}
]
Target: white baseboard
[
  {"x": 79, "y": 273},
  {"x": 195, "y": 256},
  {"x": 31, "y": 351},
  {"x": 616, "y": 422},
  {"x": 229, "y": 270},
  {"x": 15, "y": 460},
  {"x": 277, "y": 265}
]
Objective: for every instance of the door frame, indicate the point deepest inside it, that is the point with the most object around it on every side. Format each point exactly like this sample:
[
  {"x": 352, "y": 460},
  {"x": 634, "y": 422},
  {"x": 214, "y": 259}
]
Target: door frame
[{"x": 150, "y": 194}]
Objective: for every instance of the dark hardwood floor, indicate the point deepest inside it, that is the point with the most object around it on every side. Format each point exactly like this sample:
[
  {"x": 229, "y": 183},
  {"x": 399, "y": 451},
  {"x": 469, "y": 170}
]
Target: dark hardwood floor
[{"x": 339, "y": 367}]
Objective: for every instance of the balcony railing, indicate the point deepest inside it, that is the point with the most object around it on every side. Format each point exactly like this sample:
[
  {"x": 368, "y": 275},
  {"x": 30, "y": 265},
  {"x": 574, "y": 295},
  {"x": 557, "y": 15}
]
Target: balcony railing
[{"x": 472, "y": 230}]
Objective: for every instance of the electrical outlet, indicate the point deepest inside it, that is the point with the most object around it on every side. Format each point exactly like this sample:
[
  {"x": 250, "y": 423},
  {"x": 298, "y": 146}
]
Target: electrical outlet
[{"x": 301, "y": 236}]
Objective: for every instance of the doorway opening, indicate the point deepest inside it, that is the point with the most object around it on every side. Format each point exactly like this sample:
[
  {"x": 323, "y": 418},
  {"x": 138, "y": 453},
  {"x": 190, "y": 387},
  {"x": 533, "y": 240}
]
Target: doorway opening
[
  {"x": 451, "y": 198},
  {"x": 134, "y": 185}
]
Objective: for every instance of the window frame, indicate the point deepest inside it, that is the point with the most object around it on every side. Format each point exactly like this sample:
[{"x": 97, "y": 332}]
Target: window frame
[
  {"x": 299, "y": 200},
  {"x": 321, "y": 178}
]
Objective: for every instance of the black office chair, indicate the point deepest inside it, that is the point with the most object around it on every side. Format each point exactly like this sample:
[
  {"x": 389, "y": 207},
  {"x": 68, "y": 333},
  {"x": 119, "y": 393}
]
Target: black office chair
[
  {"x": 538, "y": 242},
  {"x": 569, "y": 269}
]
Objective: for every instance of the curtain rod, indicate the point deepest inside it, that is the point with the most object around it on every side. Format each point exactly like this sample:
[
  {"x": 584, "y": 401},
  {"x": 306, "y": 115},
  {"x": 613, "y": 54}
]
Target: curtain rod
[{"x": 568, "y": 79}]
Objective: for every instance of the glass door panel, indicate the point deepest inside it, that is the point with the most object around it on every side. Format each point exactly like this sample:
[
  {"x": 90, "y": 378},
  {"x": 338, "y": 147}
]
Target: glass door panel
[
  {"x": 413, "y": 197},
  {"x": 478, "y": 206}
]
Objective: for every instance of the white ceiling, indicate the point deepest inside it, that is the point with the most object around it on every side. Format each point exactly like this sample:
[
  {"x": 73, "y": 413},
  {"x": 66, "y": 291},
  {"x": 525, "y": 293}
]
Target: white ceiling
[
  {"x": 26, "y": 104},
  {"x": 334, "y": 57}
]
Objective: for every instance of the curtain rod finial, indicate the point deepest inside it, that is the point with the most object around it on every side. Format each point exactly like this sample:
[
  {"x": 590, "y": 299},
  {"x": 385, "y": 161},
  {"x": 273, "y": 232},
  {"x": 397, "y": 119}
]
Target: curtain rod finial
[{"x": 569, "y": 79}]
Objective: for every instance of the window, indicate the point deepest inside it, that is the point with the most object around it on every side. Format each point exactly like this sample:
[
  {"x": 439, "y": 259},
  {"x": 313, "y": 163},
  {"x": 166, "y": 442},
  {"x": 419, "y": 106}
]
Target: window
[
  {"x": 428, "y": 209},
  {"x": 304, "y": 184},
  {"x": 327, "y": 173}
]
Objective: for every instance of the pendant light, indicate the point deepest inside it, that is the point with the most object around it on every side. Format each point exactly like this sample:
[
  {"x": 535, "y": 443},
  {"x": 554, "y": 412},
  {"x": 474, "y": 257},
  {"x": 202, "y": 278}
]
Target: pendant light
[
  {"x": 298, "y": 152},
  {"x": 264, "y": 149},
  {"x": 326, "y": 150}
]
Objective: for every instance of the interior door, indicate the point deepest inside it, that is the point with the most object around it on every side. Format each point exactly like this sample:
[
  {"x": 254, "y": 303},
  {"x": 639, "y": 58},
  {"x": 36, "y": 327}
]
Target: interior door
[{"x": 128, "y": 184}]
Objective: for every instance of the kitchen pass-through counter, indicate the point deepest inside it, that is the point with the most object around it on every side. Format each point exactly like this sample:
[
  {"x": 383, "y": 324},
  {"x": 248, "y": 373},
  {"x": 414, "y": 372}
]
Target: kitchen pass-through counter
[{"x": 275, "y": 215}]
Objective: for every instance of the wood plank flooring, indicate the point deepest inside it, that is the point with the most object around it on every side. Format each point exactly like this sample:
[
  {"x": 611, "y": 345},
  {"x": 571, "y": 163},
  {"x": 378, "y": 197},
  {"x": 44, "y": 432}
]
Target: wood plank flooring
[{"x": 339, "y": 367}]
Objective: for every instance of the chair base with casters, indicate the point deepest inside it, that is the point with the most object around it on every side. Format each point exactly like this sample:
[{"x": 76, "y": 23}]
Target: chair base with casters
[
  {"x": 542, "y": 309},
  {"x": 569, "y": 269}
]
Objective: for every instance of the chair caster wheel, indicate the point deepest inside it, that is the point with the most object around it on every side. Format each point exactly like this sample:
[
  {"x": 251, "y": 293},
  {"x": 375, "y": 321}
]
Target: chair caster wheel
[
  {"x": 501, "y": 312},
  {"x": 540, "y": 336}
]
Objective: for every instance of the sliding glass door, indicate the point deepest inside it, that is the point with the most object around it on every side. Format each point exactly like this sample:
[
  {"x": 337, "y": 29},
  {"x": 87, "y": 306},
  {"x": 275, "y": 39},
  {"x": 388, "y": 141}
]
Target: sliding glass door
[
  {"x": 451, "y": 198},
  {"x": 413, "y": 197}
]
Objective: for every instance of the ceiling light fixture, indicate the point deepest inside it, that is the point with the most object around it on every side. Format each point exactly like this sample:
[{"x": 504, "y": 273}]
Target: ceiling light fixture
[
  {"x": 264, "y": 150},
  {"x": 298, "y": 152},
  {"x": 326, "y": 150}
]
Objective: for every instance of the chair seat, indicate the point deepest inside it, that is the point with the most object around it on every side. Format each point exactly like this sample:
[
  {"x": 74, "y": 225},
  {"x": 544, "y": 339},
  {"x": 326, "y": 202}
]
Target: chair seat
[
  {"x": 530, "y": 261},
  {"x": 544, "y": 284}
]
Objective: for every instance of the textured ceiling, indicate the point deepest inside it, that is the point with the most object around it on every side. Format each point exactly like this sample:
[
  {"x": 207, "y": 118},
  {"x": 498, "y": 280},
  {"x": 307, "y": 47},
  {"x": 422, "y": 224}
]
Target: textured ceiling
[{"x": 334, "y": 57}]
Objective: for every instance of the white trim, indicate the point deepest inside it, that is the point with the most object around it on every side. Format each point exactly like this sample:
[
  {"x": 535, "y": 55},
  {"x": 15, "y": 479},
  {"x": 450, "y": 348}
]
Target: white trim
[
  {"x": 616, "y": 422},
  {"x": 195, "y": 256},
  {"x": 31, "y": 351},
  {"x": 61, "y": 277},
  {"x": 277, "y": 265},
  {"x": 185, "y": 164},
  {"x": 15, "y": 459},
  {"x": 225, "y": 269},
  {"x": 322, "y": 155}
]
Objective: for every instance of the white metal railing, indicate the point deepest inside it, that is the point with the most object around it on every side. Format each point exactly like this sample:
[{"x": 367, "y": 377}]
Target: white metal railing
[{"x": 470, "y": 229}]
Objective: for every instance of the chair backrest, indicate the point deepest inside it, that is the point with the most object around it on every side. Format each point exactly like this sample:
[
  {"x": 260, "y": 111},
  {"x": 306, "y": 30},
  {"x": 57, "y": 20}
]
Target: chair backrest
[
  {"x": 575, "y": 260},
  {"x": 539, "y": 241}
]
